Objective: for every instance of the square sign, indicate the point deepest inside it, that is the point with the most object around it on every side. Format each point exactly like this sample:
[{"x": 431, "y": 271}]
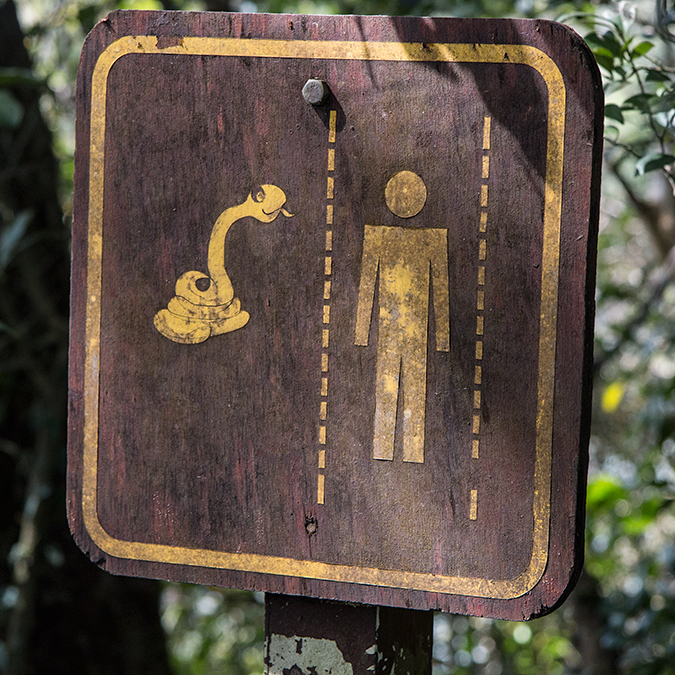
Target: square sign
[{"x": 332, "y": 305}]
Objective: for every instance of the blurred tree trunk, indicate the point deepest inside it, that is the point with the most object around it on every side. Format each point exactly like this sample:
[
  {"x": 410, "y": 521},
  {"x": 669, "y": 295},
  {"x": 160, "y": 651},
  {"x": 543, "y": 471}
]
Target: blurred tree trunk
[
  {"x": 58, "y": 612},
  {"x": 591, "y": 625}
]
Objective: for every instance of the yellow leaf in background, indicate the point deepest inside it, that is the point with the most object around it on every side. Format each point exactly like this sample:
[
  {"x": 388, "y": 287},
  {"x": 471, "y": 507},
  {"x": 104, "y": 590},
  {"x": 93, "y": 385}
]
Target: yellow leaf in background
[
  {"x": 140, "y": 4},
  {"x": 612, "y": 396}
]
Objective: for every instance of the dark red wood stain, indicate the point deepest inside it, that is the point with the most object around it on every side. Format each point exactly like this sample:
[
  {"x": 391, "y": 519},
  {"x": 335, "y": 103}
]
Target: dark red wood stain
[{"x": 214, "y": 446}]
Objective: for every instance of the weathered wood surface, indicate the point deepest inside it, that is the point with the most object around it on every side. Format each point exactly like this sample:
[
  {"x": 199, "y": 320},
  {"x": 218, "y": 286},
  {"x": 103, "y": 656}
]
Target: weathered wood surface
[
  {"x": 305, "y": 635},
  {"x": 193, "y": 450}
]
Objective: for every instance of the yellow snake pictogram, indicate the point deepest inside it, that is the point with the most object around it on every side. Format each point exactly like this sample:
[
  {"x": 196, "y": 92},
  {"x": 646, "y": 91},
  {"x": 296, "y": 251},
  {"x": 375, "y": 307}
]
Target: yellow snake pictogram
[{"x": 205, "y": 305}]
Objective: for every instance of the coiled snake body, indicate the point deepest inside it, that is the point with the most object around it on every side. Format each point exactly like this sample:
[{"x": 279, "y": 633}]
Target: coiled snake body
[{"x": 205, "y": 305}]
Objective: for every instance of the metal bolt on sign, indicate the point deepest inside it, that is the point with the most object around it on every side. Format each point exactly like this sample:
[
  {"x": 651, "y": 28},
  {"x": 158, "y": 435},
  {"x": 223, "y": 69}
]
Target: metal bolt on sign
[{"x": 315, "y": 92}]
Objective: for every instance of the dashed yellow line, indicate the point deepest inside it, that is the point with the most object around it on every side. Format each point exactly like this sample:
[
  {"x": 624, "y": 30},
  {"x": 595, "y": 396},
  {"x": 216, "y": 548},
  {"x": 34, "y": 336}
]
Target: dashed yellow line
[
  {"x": 325, "y": 334},
  {"x": 480, "y": 307},
  {"x": 473, "y": 508},
  {"x": 476, "y": 425},
  {"x": 474, "y": 448},
  {"x": 486, "y": 167},
  {"x": 487, "y": 123},
  {"x": 320, "y": 489}
]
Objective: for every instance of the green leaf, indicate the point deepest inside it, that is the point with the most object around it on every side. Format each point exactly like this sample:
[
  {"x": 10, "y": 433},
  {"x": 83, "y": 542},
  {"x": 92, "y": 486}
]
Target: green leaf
[
  {"x": 607, "y": 62},
  {"x": 664, "y": 102},
  {"x": 593, "y": 39},
  {"x": 604, "y": 490},
  {"x": 612, "y": 86},
  {"x": 87, "y": 16},
  {"x": 614, "y": 112},
  {"x": 611, "y": 132},
  {"x": 652, "y": 162},
  {"x": 602, "y": 51},
  {"x": 643, "y": 48},
  {"x": 611, "y": 43},
  {"x": 656, "y": 75},
  {"x": 636, "y": 525},
  {"x": 11, "y": 111},
  {"x": 638, "y": 102},
  {"x": 605, "y": 49}
]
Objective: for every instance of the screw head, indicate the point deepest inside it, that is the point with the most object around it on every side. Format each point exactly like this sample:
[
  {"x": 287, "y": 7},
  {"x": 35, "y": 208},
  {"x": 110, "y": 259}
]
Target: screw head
[{"x": 315, "y": 92}]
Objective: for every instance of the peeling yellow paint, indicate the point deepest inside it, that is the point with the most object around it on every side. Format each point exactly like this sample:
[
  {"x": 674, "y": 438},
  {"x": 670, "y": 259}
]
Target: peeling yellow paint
[
  {"x": 487, "y": 124},
  {"x": 204, "y": 305},
  {"x": 406, "y": 260},
  {"x": 475, "y": 447},
  {"x": 338, "y": 50},
  {"x": 473, "y": 508},
  {"x": 476, "y": 424},
  {"x": 332, "y": 126}
]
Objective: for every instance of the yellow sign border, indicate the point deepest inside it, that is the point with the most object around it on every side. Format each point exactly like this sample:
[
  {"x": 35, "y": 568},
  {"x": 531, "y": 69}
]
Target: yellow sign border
[{"x": 338, "y": 50}]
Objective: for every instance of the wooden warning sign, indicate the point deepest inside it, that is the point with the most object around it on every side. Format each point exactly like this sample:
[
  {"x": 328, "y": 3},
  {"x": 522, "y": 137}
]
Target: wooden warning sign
[{"x": 332, "y": 305}]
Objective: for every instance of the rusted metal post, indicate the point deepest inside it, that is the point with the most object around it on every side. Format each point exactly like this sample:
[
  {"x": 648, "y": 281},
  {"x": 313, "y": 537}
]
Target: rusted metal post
[{"x": 305, "y": 636}]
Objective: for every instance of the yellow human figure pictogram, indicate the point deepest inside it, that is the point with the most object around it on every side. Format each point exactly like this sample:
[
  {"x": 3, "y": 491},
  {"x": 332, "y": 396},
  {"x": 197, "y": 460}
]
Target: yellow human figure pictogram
[{"x": 406, "y": 260}]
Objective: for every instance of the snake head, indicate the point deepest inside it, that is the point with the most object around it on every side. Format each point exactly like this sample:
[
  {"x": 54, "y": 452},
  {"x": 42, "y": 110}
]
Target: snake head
[{"x": 266, "y": 203}]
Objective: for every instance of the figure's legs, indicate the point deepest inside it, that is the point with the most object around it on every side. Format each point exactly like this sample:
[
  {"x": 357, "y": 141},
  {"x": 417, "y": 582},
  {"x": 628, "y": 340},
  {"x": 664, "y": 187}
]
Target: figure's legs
[
  {"x": 386, "y": 397},
  {"x": 414, "y": 399}
]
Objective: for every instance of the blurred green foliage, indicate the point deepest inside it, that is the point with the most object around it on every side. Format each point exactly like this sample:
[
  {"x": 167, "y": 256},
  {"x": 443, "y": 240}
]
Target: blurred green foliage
[
  {"x": 621, "y": 618},
  {"x": 213, "y": 631}
]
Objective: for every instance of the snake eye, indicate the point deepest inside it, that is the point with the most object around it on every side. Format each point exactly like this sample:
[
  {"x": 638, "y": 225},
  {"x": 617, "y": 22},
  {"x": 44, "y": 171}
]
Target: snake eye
[
  {"x": 203, "y": 284},
  {"x": 258, "y": 194}
]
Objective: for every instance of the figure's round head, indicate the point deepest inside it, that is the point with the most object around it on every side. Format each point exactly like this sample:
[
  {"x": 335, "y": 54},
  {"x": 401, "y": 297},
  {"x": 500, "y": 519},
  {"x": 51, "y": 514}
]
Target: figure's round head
[
  {"x": 405, "y": 194},
  {"x": 266, "y": 203}
]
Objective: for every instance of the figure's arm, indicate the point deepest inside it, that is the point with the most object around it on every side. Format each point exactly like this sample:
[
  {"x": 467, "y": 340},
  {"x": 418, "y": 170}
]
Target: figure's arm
[
  {"x": 439, "y": 272},
  {"x": 372, "y": 241}
]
